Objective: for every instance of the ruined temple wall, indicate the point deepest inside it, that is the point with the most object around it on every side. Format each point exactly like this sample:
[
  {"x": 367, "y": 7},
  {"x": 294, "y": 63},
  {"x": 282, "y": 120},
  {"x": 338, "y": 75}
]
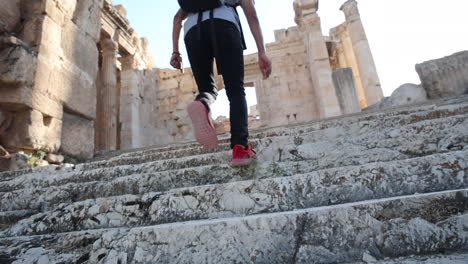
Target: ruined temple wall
[
  {"x": 18, "y": 60},
  {"x": 127, "y": 87},
  {"x": 300, "y": 88},
  {"x": 175, "y": 91},
  {"x": 81, "y": 72},
  {"x": 138, "y": 108},
  {"x": 69, "y": 54},
  {"x": 287, "y": 96},
  {"x": 60, "y": 39}
]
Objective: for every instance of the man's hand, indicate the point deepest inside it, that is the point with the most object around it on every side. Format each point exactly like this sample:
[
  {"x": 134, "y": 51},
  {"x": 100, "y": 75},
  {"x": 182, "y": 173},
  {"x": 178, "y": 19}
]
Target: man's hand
[
  {"x": 264, "y": 63},
  {"x": 176, "y": 59},
  {"x": 251, "y": 14},
  {"x": 176, "y": 62}
]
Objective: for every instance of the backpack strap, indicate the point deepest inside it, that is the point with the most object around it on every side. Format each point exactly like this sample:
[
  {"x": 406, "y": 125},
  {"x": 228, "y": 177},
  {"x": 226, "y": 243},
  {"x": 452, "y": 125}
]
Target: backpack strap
[
  {"x": 240, "y": 27},
  {"x": 199, "y": 29},
  {"x": 214, "y": 41}
]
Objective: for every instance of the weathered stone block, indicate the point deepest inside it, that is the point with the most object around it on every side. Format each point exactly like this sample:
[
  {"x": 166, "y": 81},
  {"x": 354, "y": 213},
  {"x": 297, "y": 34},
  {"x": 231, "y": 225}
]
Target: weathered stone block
[
  {"x": 54, "y": 159},
  {"x": 87, "y": 17},
  {"x": 6, "y": 118},
  {"x": 408, "y": 94},
  {"x": 80, "y": 49},
  {"x": 17, "y": 67},
  {"x": 67, "y": 84},
  {"x": 24, "y": 97},
  {"x": 50, "y": 40},
  {"x": 19, "y": 161},
  {"x": 446, "y": 76},
  {"x": 60, "y": 11},
  {"x": 138, "y": 112},
  {"x": 33, "y": 130},
  {"x": 10, "y": 15},
  {"x": 77, "y": 136},
  {"x": 346, "y": 90},
  {"x": 32, "y": 30}
]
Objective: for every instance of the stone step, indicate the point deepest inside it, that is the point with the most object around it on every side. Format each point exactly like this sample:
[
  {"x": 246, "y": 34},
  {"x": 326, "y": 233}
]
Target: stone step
[
  {"x": 450, "y": 258},
  {"x": 328, "y": 187},
  {"x": 7, "y": 219},
  {"x": 387, "y": 228},
  {"x": 111, "y": 185},
  {"x": 318, "y": 129},
  {"x": 384, "y": 119},
  {"x": 308, "y": 152},
  {"x": 296, "y": 160},
  {"x": 42, "y": 198},
  {"x": 358, "y": 122}
]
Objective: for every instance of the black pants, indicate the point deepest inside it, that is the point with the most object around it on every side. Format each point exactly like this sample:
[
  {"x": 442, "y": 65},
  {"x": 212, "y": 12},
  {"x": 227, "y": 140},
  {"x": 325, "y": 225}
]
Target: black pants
[{"x": 230, "y": 64}]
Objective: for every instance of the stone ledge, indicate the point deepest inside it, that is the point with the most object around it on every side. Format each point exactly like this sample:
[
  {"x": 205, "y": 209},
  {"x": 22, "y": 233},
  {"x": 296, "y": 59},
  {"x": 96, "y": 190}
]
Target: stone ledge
[
  {"x": 322, "y": 188},
  {"x": 306, "y": 151},
  {"x": 383, "y": 228}
]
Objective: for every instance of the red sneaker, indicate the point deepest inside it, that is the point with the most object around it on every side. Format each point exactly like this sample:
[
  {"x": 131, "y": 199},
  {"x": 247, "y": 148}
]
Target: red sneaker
[
  {"x": 205, "y": 132},
  {"x": 242, "y": 156}
]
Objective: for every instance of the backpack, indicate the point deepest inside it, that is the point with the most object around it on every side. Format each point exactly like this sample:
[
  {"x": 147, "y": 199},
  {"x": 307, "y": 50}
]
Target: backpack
[
  {"x": 199, "y": 6},
  {"x": 196, "y": 6}
]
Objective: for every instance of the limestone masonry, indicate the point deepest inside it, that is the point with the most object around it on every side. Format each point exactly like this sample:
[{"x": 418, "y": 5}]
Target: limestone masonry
[
  {"x": 343, "y": 174},
  {"x": 374, "y": 187},
  {"x": 75, "y": 78}
]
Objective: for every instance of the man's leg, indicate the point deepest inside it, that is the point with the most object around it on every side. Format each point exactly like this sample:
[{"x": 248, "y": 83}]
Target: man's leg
[
  {"x": 232, "y": 68},
  {"x": 201, "y": 57},
  {"x": 201, "y": 60}
]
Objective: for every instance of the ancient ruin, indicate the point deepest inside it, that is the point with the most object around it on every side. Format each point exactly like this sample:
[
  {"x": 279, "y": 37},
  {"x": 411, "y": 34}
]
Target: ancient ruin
[
  {"x": 68, "y": 82},
  {"x": 388, "y": 186},
  {"x": 446, "y": 76},
  {"x": 76, "y": 78}
]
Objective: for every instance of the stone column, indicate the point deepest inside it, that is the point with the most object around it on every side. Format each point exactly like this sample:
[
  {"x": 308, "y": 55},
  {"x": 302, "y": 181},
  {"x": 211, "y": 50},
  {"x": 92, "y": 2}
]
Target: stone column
[
  {"x": 106, "y": 125},
  {"x": 130, "y": 133},
  {"x": 348, "y": 59},
  {"x": 320, "y": 69},
  {"x": 365, "y": 61}
]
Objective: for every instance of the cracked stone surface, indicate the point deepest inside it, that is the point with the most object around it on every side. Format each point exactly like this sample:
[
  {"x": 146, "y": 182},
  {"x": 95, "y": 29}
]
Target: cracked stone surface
[
  {"x": 310, "y": 198},
  {"x": 334, "y": 234},
  {"x": 321, "y": 188},
  {"x": 454, "y": 258},
  {"x": 278, "y": 157}
]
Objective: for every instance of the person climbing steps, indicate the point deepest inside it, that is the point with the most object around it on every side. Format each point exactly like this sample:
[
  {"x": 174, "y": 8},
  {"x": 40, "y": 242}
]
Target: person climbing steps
[{"x": 213, "y": 31}]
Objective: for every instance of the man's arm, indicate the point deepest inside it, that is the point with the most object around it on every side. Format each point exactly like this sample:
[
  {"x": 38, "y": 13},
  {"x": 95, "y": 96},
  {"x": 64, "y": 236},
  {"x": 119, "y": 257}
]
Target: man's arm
[
  {"x": 251, "y": 14},
  {"x": 176, "y": 59}
]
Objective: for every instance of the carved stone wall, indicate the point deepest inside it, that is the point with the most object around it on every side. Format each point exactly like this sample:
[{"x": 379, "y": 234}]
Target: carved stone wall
[
  {"x": 176, "y": 91},
  {"x": 129, "y": 81},
  {"x": 48, "y": 73},
  {"x": 138, "y": 109},
  {"x": 288, "y": 96},
  {"x": 76, "y": 78},
  {"x": 300, "y": 89},
  {"x": 61, "y": 79}
]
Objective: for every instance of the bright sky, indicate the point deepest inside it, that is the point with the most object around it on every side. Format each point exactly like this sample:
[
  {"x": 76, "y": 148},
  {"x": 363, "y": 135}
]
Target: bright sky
[{"x": 401, "y": 33}]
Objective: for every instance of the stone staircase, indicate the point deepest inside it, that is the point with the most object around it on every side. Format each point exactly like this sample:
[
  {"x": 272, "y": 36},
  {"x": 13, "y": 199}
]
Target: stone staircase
[{"x": 376, "y": 187}]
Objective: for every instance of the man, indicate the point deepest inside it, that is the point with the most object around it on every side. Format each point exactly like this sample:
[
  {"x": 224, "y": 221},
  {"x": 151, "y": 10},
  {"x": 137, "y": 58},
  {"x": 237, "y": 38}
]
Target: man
[{"x": 218, "y": 33}]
